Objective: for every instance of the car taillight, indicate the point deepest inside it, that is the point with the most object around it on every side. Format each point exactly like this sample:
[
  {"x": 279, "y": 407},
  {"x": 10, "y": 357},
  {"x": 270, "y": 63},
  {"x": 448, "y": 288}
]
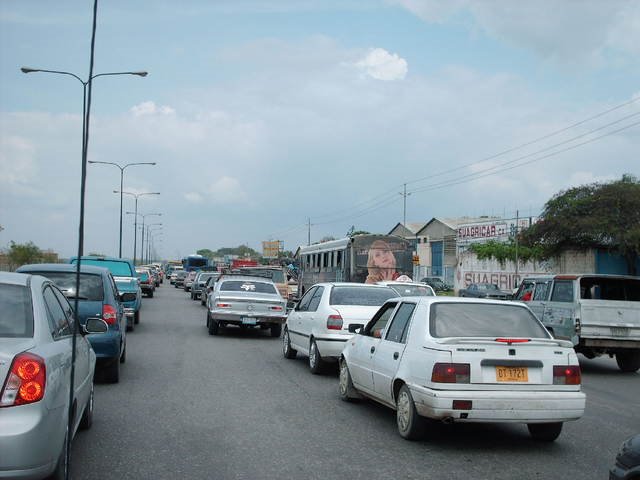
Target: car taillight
[
  {"x": 223, "y": 305},
  {"x": 109, "y": 314},
  {"x": 513, "y": 340},
  {"x": 25, "y": 382},
  {"x": 334, "y": 322},
  {"x": 451, "y": 373},
  {"x": 566, "y": 375},
  {"x": 276, "y": 308}
]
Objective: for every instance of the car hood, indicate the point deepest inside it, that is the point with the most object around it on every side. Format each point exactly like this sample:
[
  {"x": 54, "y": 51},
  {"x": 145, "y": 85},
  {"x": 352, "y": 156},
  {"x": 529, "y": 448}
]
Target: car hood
[{"x": 9, "y": 348}]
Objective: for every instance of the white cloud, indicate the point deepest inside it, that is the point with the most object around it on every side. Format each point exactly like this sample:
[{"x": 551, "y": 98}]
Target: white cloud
[
  {"x": 382, "y": 65},
  {"x": 193, "y": 197},
  {"x": 227, "y": 190},
  {"x": 17, "y": 167},
  {"x": 150, "y": 108}
]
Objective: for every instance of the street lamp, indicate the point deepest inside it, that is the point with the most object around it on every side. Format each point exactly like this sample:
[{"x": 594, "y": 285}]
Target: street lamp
[
  {"x": 143, "y": 217},
  {"x": 135, "y": 227},
  {"x": 122, "y": 168},
  {"x": 152, "y": 243},
  {"x": 149, "y": 232}
]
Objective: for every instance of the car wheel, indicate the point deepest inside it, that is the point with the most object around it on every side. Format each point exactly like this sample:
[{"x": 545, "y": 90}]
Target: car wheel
[
  {"x": 202, "y": 302},
  {"x": 628, "y": 362},
  {"x": 347, "y": 391},
  {"x": 150, "y": 294},
  {"x": 112, "y": 372},
  {"x": 87, "y": 417},
  {"x": 60, "y": 473},
  {"x": 315, "y": 360},
  {"x": 214, "y": 327},
  {"x": 287, "y": 351},
  {"x": 545, "y": 432},
  {"x": 123, "y": 355},
  {"x": 131, "y": 326},
  {"x": 276, "y": 330},
  {"x": 191, "y": 295},
  {"x": 410, "y": 424},
  {"x": 136, "y": 318}
]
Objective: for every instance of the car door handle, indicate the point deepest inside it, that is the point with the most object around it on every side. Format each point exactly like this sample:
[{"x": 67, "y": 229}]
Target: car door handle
[
  {"x": 396, "y": 355},
  {"x": 373, "y": 349}
]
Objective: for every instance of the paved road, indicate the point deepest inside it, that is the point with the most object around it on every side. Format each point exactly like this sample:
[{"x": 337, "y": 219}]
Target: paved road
[{"x": 193, "y": 406}]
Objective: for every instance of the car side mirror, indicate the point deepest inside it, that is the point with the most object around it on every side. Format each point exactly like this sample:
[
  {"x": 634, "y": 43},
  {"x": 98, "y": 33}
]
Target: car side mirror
[
  {"x": 355, "y": 328},
  {"x": 128, "y": 296},
  {"x": 95, "y": 325}
]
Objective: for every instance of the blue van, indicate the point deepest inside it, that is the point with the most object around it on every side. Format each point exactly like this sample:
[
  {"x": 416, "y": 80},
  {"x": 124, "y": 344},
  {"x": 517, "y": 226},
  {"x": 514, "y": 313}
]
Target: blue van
[{"x": 124, "y": 273}]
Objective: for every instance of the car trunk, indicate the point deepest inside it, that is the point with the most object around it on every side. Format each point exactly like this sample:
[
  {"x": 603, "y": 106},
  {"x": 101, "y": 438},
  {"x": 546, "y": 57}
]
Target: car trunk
[
  {"x": 609, "y": 319},
  {"x": 352, "y": 314},
  {"x": 257, "y": 304},
  {"x": 9, "y": 348}
]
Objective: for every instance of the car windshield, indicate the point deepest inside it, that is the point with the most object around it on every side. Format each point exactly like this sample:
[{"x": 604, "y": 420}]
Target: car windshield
[
  {"x": 365, "y": 296},
  {"x": 412, "y": 290},
  {"x": 117, "y": 269},
  {"x": 247, "y": 286},
  {"x": 205, "y": 276},
  {"x": 91, "y": 287},
  {"x": 483, "y": 320},
  {"x": 16, "y": 313}
]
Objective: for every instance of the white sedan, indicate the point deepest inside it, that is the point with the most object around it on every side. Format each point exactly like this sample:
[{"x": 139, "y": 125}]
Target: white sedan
[{"x": 463, "y": 360}]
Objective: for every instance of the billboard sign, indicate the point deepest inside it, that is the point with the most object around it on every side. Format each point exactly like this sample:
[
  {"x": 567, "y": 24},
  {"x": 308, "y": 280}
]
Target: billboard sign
[{"x": 271, "y": 248}]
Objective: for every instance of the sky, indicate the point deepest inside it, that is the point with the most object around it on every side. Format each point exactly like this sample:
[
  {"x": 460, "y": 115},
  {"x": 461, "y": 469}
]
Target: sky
[{"x": 266, "y": 116}]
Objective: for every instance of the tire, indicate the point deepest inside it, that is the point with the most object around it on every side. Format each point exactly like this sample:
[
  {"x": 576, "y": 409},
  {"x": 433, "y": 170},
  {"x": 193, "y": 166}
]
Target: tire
[
  {"x": 123, "y": 355},
  {"x": 276, "y": 330},
  {"x": 545, "y": 432},
  {"x": 150, "y": 294},
  {"x": 628, "y": 361},
  {"x": 112, "y": 372},
  {"x": 410, "y": 424},
  {"x": 87, "y": 417},
  {"x": 287, "y": 351},
  {"x": 316, "y": 364},
  {"x": 60, "y": 472},
  {"x": 131, "y": 328},
  {"x": 136, "y": 318},
  {"x": 347, "y": 391},
  {"x": 202, "y": 302},
  {"x": 192, "y": 295},
  {"x": 214, "y": 327}
]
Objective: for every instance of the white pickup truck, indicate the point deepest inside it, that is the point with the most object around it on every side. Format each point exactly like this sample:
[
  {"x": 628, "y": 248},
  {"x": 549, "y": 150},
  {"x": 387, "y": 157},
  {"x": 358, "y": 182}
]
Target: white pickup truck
[{"x": 600, "y": 314}]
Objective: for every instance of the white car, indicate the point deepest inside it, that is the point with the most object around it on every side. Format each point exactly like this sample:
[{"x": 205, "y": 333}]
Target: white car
[
  {"x": 409, "y": 289},
  {"x": 36, "y": 337},
  {"x": 319, "y": 324},
  {"x": 463, "y": 360}
]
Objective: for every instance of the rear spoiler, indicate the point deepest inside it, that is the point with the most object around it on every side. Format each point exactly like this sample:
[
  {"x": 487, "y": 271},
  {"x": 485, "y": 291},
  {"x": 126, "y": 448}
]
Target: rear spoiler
[{"x": 492, "y": 341}]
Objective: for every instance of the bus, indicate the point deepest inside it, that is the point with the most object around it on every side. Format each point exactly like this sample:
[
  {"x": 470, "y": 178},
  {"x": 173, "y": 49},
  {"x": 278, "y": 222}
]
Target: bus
[
  {"x": 194, "y": 262},
  {"x": 361, "y": 258}
]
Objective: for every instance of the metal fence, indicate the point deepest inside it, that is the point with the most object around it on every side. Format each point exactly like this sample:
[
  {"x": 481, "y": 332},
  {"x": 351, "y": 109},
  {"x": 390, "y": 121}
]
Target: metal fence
[{"x": 446, "y": 273}]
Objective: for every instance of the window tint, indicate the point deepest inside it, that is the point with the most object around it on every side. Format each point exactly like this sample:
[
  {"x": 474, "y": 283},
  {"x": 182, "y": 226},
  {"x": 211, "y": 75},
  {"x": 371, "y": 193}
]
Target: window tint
[
  {"x": 247, "y": 286},
  {"x": 542, "y": 291},
  {"x": 303, "y": 304},
  {"x": 483, "y": 320},
  {"x": 57, "y": 317},
  {"x": 16, "y": 312},
  {"x": 562, "y": 291},
  {"x": 379, "y": 321},
  {"x": 66, "y": 306},
  {"x": 118, "y": 269},
  {"x": 315, "y": 300},
  {"x": 366, "y": 296},
  {"x": 603, "y": 288},
  {"x": 412, "y": 290},
  {"x": 400, "y": 323},
  {"x": 90, "y": 285}
]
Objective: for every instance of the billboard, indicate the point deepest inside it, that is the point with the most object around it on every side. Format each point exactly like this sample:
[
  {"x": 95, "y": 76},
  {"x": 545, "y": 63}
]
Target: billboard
[
  {"x": 271, "y": 248},
  {"x": 499, "y": 230}
]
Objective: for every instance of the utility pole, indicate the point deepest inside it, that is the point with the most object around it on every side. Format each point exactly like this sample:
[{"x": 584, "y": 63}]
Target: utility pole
[
  {"x": 517, "y": 224},
  {"x": 404, "y": 210}
]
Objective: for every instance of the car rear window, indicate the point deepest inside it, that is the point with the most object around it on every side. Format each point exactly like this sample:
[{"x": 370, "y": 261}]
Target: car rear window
[
  {"x": 365, "y": 296},
  {"x": 604, "y": 288},
  {"x": 16, "y": 313},
  {"x": 483, "y": 320},
  {"x": 91, "y": 287},
  {"x": 247, "y": 286},
  {"x": 117, "y": 269},
  {"x": 412, "y": 290}
]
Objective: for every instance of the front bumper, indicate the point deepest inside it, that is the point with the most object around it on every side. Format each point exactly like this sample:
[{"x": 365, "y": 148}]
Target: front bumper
[{"x": 500, "y": 406}]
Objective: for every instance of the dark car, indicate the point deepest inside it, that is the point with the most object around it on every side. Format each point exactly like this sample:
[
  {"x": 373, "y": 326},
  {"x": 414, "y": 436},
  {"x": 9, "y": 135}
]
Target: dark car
[
  {"x": 199, "y": 283},
  {"x": 437, "y": 284},
  {"x": 98, "y": 297},
  {"x": 627, "y": 466},
  {"x": 484, "y": 290},
  {"x": 147, "y": 283}
]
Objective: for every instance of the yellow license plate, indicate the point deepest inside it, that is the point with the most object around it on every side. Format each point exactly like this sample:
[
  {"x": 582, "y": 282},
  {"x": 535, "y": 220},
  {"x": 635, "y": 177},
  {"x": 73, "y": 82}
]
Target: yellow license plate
[{"x": 512, "y": 374}]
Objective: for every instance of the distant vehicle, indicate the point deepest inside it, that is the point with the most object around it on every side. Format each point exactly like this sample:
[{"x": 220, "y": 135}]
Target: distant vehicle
[
  {"x": 194, "y": 262},
  {"x": 242, "y": 262},
  {"x": 358, "y": 259},
  {"x": 600, "y": 314},
  {"x": 199, "y": 283},
  {"x": 147, "y": 283},
  {"x": 410, "y": 289},
  {"x": 277, "y": 275},
  {"x": 437, "y": 284},
  {"x": 188, "y": 280},
  {"x": 36, "y": 335},
  {"x": 178, "y": 280},
  {"x": 463, "y": 360},
  {"x": 245, "y": 302},
  {"x": 98, "y": 298},
  {"x": 484, "y": 290},
  {"x": 124, "y": 273},
  {"x": 319, "y": 324},
  {"x": 627, "y": 465},
  {"x": 207, "y": 288}
]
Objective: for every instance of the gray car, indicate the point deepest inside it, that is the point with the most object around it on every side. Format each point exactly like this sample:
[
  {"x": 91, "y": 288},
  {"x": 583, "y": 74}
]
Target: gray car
[
  {"x": 36, "y": 337},
  {"x": 199, "y": 283},
  {"x": 245, "y": 301}
]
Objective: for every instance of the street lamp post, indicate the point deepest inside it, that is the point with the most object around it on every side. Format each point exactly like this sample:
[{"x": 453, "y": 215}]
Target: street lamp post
[
  {"x": 135, "y": 226},
  {"x": 149, "y": 232},
  {"x": 143, "y": 217},
  {"x": 152, "y": 244},
  {"x": 122, "y": 169}
]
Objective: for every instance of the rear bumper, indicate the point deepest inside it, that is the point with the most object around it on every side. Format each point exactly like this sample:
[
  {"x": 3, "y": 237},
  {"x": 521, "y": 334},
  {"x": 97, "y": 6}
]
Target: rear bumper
[
  {"x": 500, "y": 406},
  {"x": 238, "y": 319},
  {"x": 331, "y": 346},
  {"x": 106, "y": 345}
]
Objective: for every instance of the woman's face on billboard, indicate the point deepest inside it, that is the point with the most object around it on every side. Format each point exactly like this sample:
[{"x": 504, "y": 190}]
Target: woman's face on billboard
[{"x": 383, "y": 258}]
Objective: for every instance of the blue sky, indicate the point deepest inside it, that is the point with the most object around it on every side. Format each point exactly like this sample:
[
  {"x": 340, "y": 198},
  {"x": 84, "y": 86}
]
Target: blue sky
[{"x": 262, "y": 114}]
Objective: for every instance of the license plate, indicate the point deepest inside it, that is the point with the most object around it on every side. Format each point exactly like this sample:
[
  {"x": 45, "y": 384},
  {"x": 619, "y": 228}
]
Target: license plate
[
  {"x": 620, "y": 331},
  {"x": 248, "y": 321},
  {"x": 512, "y": 374}
]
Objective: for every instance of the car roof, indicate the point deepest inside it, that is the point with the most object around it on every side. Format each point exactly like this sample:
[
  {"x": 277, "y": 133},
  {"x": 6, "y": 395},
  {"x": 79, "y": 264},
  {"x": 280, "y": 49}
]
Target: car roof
[
  {"x": 249, "y": 278},
  {"x": 349, "y": 284},
  {"x": 394, "y": 282},
  {"x": 62, "y": 267},
  {"x": 13, "y": 278}
]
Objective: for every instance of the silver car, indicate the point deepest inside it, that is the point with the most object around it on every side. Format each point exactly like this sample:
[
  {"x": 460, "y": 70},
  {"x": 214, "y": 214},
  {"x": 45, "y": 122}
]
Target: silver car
[
  {"x": 35, "y": 360},
  {"x": 245, "y": 301}
]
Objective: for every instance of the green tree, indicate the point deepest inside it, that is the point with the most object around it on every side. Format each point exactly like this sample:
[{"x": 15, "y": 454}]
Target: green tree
[
  {"x": 359, "y": 232},
  {"x": 597, "y": 215},
  {"x": 23, "y": 253},
  {"x": 205, "y": 252},
  {"x": 503, "y": 251}
]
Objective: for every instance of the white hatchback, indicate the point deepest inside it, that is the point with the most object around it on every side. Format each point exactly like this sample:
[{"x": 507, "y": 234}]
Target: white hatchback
[
  {"x": 319, "y": 324},
  {"x": 463, "y": 360}
]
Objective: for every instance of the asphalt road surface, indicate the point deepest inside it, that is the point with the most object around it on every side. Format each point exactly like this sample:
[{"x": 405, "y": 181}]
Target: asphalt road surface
[{"x": 194, "y": 406}]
